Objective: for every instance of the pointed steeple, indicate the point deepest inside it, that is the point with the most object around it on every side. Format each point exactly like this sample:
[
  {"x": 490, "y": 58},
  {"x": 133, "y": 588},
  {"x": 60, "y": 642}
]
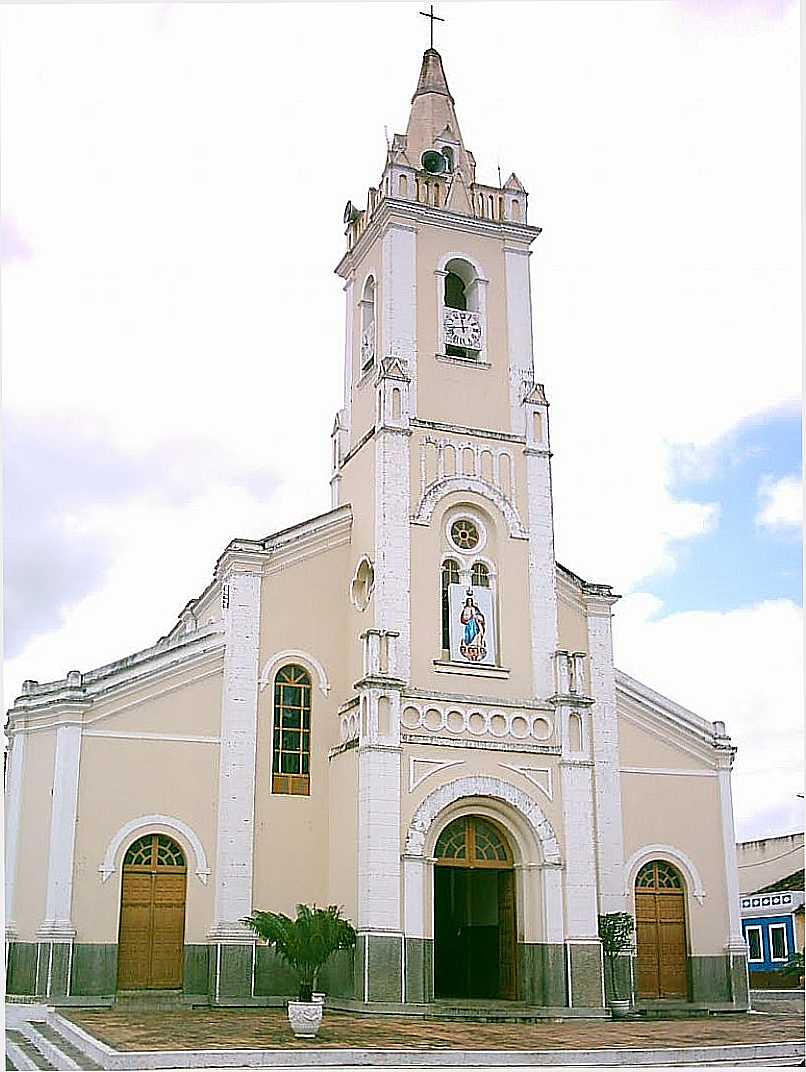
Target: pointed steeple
[
  {"x": 432, "y": 120},
  {"x": 432, "y": 76}
]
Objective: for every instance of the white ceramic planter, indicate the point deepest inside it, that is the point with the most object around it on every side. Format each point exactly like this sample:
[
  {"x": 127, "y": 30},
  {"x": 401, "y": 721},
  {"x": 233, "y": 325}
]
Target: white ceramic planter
[
  {"x": 620, "y": 1007},
  {"x": 305, "y": 1018}
]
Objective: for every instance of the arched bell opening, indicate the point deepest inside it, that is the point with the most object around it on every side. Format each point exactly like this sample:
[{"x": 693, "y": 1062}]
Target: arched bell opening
[
  {"x": 474, "y": 911},
  {"x": 151, "y": 935}
]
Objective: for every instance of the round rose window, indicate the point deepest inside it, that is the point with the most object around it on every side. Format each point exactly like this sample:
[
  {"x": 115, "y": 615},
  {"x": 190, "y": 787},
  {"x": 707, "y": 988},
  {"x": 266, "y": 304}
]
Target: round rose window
[{"x": 465, "y": 534}]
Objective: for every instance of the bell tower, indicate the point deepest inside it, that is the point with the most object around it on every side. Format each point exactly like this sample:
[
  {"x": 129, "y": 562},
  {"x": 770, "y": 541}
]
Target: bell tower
[
  {"x": 442, "y": 451},
  {"x": 439, "y": 386}
]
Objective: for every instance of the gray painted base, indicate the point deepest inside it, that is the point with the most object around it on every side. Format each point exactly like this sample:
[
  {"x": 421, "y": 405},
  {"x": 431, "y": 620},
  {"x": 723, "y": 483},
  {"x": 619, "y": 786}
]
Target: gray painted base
[
  {"x": 21, "y": 973},
  {"x": 419, "y": 970},
  {"x": 715, "y": 982},
  {"x": 541, "y": 974},
  {"x": 384, "y": 973},
  {"x": 585, "y": 970},
  {"x": 95, "y": 970}
]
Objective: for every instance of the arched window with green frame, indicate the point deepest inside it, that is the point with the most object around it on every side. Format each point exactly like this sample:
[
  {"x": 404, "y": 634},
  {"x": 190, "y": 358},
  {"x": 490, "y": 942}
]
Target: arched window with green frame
[{"x": 291, "y": 751}]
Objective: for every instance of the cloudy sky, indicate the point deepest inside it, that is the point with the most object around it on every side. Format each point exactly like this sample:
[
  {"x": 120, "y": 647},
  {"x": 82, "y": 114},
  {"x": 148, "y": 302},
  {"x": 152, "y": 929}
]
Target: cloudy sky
[{"x": 173, "y": 177}]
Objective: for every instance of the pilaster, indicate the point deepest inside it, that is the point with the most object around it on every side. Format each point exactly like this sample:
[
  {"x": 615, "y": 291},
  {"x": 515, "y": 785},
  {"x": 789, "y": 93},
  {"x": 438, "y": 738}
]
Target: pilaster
[
  {"x": 607, "y": 781},
  {"x": 542, "y": 570},
  {"x": 519, "y": 330},
  {"x": 57, "y": 925},
  {"x": 399, "y": 298},
  {"x": 735, "y": 946},
  {"x": 240, "y": 571},
  {"x": 14, "y": 781}
]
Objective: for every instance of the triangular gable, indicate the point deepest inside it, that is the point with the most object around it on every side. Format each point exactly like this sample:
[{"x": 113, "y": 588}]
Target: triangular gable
[{"x": 458, "y": 199}]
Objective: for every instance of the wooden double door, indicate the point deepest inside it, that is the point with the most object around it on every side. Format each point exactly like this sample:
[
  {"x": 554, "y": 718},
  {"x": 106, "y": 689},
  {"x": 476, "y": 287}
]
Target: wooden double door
[
  {"x": 474, "y": 912},
  {"x": 660, "y": 922},
  {"x": 152, "y": 915}
]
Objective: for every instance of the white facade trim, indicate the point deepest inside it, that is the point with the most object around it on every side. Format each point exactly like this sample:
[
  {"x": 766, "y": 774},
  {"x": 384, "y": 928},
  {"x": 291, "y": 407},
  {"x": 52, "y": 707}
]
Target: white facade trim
[
  {"x": 538, "y": 776},
  {"x": 235, "y": 841},
  {"x": 13, "y": 804},
  {"x": 183, "y": 738},
  {"x": 668, "y": 852},
  {"x": 473, "y": 485},
  {"x": 735, "y": 939},
  {"x": 294, "y": 655},
  {"x": 63, "y": 822},
  {"x": 157, "y": 824},
  {"x": 420, "y": 769},
  {"x": 674, "y": 771},
  {"x": 482, "y": 786}
]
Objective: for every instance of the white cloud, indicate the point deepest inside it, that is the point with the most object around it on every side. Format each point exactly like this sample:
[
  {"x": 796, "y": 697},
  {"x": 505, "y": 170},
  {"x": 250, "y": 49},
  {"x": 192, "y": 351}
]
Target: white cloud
[
  {"x": 743, "y": 667},
  {"x": 781, "y": 503},
  {"x": 178, "y": 217}
]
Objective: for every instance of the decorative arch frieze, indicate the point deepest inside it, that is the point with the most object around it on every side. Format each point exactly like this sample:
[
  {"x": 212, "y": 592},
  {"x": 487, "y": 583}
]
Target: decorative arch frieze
[
  {"x": 674, "y": 856},
  {"x": 292, "y": 655},
  {"x": 158, "y": 824},
  {"x": 477, "y": 486},
  {"x": 483, "y": 786}
]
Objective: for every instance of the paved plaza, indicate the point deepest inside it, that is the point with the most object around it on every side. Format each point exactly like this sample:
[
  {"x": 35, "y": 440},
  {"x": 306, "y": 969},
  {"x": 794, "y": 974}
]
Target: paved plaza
[{"x": 211, "y": 1029}]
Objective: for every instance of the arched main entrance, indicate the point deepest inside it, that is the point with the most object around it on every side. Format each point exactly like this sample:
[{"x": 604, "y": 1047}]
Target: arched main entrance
[
  {"x": 660, "y": 917},
  {"x": 152, "y": 915},
  {"x": 474, "y": 911}
]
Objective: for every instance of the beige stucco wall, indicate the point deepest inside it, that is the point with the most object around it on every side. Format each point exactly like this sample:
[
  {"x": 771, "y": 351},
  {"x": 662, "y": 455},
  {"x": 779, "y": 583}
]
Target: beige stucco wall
[
  {"x": 572, "y": 622},
  {"x": 301, "y": 606},
  {"x": 767, "y": 860},
  {"x": 177, "y": 702},
  {"x": 122, "y": 779},
  {"x": 451, "y": 393},
  {"x": 640, "y": 748},
  {"x": 34, "y": 833},
  {"x": 343, "y": 833},
  {"x": 682, "y": 811}
]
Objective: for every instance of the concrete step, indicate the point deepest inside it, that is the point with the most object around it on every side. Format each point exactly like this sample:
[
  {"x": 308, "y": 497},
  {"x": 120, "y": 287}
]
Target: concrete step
[
  {"x": 148, "y": 1000},
  {"x": 24, "y": 1053},
  {"x": 507, "y": 1012}
]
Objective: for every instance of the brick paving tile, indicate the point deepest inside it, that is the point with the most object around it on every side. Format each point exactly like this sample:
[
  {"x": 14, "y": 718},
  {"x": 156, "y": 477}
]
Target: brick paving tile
[{"x": 202, "y": 1029}]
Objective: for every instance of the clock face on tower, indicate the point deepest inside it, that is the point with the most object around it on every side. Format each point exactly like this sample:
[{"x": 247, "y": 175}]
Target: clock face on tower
[{"x": 462, "y": 328}]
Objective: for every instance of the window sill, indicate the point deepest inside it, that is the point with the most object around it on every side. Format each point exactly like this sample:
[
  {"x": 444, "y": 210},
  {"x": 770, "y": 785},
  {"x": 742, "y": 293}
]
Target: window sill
[
  {"x": 467, "y": 362},
  {"x": 443, "y": 666}
]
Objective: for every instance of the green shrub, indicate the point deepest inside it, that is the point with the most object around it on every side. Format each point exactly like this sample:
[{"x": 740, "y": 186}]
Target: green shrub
[{"x": 306, "y": 943}]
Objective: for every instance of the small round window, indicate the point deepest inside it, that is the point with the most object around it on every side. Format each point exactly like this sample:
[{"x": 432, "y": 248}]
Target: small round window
[{"x": 465, "y": 534}]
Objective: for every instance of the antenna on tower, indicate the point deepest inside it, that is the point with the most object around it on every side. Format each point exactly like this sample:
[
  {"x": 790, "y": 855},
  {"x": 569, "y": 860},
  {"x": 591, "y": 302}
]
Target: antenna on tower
[
  {"x": 386, "y": 135},
  {"x": 499, "y": 176}
]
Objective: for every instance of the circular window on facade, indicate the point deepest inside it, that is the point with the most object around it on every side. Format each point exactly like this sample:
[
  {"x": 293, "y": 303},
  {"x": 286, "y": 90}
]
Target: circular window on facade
[{"x": 465, "y": 534}]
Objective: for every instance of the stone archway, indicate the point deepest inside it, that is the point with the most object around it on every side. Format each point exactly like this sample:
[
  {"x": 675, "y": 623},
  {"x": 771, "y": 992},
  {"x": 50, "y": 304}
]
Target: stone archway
[{"x": 528, "y": 830}]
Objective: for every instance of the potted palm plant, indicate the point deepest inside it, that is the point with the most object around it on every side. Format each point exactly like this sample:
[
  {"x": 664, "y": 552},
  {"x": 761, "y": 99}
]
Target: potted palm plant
[
  {"x": 305, "y": 944},
  {"x": 616, "y": 931}
]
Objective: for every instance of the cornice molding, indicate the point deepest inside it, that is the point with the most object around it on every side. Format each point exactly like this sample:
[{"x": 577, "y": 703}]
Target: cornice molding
[
  {"x": 390, "y": 210},
  {"x": 66, "y": 700},
  {"x": 467, "y": 430}
]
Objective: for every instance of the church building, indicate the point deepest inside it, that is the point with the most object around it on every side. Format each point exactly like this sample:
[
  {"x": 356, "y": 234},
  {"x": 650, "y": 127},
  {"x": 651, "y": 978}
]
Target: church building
[{"x": 438, "y": 741}]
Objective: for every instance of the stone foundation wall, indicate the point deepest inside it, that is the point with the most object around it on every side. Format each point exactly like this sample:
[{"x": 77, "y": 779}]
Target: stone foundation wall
[{"x": 233, "y": 974}]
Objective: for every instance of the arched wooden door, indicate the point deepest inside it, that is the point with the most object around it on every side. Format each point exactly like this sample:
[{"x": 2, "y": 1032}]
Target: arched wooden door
[
  {"x": 474, "y": 912},
  {"x": 660, "y": 918},
  {"x": 152, "y": 915}
]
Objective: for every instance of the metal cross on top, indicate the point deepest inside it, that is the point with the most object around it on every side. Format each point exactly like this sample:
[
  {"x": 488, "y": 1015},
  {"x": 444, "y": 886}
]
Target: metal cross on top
[{"x": 434, "y": 18}]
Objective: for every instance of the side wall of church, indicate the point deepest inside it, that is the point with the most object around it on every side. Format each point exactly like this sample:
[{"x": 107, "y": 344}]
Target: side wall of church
[
  {"x": 674, "y": 811},
  {"x": 303, "y": 611}
]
